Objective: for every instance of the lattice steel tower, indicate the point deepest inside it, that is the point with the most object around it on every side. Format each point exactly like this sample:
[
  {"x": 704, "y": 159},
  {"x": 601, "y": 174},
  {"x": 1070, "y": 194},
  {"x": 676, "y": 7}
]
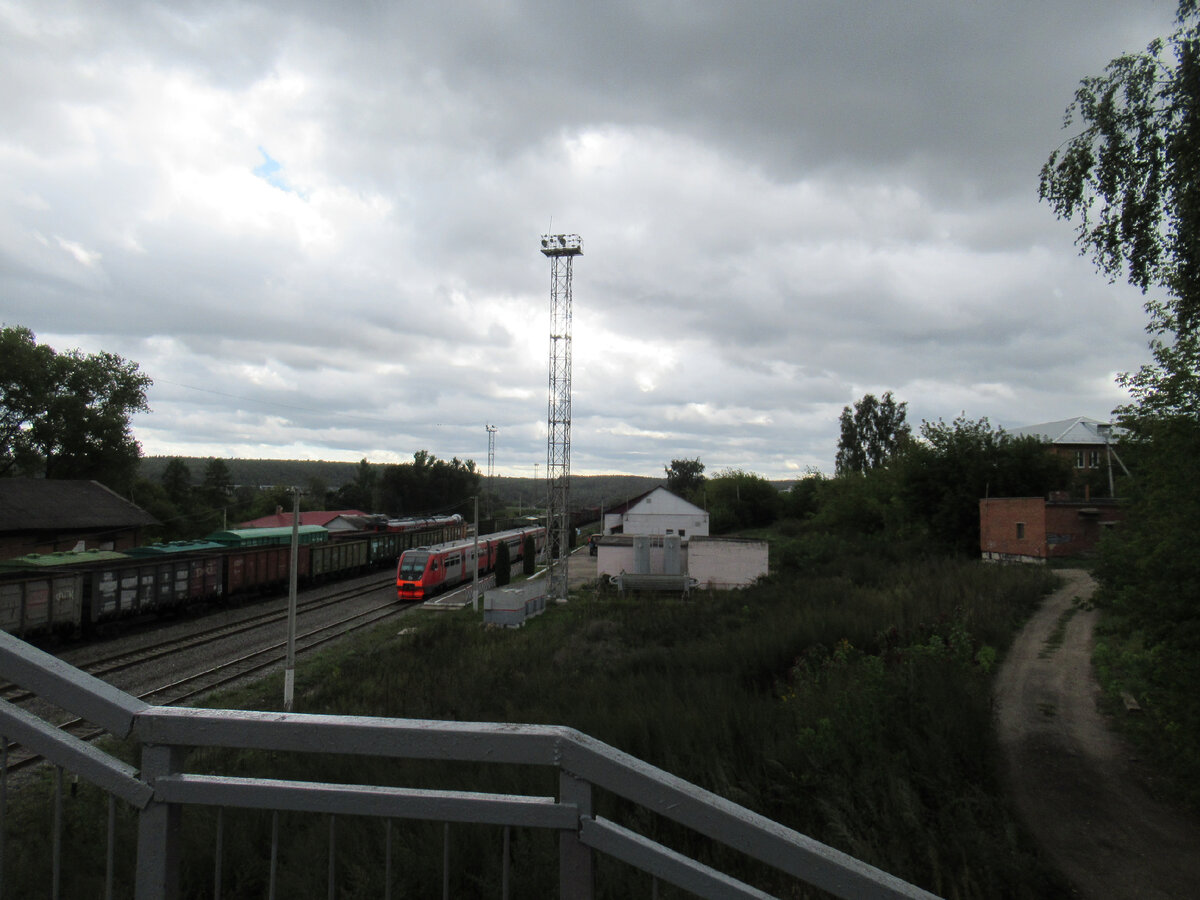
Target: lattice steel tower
[
  {"x": 562, "y": 249},
  {"x": 491, "y": 430}
]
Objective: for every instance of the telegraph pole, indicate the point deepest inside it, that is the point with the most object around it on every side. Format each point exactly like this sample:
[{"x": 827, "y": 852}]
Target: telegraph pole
[
  {"x": 475, "y": 572},
  {"x": 289, "y": 670}
]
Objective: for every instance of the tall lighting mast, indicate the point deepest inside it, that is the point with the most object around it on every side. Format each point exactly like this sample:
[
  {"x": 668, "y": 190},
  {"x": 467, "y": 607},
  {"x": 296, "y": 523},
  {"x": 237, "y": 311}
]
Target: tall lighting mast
[
  {"x": 491, "y": 430},
  {"x": 562, "y": 250}
]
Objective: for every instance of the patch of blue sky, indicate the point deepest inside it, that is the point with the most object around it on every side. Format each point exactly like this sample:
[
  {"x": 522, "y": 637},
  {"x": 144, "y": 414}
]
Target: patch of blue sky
[{"x": 271, "y": 171}]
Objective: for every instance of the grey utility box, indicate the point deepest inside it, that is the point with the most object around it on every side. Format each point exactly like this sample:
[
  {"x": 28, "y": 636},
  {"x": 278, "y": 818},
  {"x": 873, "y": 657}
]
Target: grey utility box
[{"x": 512, "y": 604}]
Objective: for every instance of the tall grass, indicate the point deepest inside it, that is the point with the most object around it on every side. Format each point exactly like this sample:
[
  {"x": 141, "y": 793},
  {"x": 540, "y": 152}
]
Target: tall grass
[{"x": 856, "y": 710}]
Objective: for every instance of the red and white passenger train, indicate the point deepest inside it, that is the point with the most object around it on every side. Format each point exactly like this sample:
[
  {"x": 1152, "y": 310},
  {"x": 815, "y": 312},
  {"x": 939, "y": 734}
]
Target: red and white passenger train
[{"x": 425, "y": 571}]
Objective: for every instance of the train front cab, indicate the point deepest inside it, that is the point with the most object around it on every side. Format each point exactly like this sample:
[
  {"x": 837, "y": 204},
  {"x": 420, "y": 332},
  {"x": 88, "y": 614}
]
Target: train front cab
[{"x": 414, "y": 574}]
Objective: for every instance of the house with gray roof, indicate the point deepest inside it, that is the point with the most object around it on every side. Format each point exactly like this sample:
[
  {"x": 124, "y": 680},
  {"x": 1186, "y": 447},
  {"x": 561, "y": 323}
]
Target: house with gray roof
[
  {"x": 40, "y": 515},
  {"x": 1087, "y": 443}
]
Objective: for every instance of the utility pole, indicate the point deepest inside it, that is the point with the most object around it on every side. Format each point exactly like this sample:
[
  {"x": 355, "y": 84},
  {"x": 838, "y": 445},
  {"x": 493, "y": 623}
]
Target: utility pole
[
  {"x": 475, "y": 572},
  {"x": 289, "y": 671}
]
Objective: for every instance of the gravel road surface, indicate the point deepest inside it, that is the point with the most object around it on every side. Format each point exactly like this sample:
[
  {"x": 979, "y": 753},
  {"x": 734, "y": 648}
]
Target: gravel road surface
[{"x": 1079, "y": 787}]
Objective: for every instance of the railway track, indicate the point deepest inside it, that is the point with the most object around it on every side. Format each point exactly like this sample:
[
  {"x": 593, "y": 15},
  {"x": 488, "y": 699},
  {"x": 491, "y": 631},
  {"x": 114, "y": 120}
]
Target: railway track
[
  {"x": 198, "y": 683},
  {"x": 127, "y": 659}
]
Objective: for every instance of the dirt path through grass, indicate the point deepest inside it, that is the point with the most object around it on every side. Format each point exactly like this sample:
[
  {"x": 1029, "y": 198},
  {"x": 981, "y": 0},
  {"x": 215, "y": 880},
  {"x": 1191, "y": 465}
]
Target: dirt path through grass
[{"x": 1076, "y": 783}]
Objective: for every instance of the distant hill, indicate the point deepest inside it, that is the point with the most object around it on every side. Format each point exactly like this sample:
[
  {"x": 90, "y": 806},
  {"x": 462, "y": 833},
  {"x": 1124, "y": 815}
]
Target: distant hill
[
  {"x": 586, "y": 490},
  {"x": 260, "y": 472}
]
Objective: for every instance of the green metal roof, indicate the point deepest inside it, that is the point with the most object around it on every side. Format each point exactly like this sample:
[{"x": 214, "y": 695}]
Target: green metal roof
[
  {"x": 239, "y": 536},
  {"x": 61, "y": 558},
  {"x": 175, "y": 547}
]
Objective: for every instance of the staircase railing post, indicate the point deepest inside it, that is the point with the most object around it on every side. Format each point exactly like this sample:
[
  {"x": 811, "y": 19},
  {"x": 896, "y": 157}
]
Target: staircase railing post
[
  {"x": 576, "y": 877},
  {"x": 158, "y": 848}
]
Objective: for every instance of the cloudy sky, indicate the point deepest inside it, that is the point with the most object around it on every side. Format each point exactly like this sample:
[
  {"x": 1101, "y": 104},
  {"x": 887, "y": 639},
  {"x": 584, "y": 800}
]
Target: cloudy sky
[{"x": 316, "y": 225}]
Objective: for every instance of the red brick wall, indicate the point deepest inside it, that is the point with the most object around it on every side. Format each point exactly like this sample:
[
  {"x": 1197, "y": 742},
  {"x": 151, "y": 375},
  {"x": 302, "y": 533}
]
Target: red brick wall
[
  {"x": 1074, "y": 529},
  {"x": 1051, "y": 529},
  {"x": 998, "y": 532}
]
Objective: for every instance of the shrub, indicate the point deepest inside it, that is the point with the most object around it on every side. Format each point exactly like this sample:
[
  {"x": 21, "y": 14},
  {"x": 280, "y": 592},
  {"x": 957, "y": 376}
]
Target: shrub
[{"x": 503, "y": 565}]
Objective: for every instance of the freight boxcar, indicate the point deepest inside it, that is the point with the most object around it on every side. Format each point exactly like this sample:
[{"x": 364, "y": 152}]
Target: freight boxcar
[
  {"x": 339, "y": 558},
  {"x": 33, "y": 603},
  {"x": 83, "y": 564},
  {"x": 252, "y": 570},
  {"x": 187, "y": 571}
]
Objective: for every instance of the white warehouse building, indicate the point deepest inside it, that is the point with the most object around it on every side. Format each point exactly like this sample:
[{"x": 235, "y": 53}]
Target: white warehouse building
[
  {"x": 657, "y": 512},
  {"x": 663, "y": 536}
]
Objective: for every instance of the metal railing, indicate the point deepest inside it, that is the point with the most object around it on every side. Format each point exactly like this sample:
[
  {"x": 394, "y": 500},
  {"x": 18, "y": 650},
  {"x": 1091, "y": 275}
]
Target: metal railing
[{"x": 162, "y": 788}]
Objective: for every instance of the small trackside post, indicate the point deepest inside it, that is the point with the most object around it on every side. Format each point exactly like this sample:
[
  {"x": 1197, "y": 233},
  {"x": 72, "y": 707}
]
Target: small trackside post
[{"x": 576, "y": 877}]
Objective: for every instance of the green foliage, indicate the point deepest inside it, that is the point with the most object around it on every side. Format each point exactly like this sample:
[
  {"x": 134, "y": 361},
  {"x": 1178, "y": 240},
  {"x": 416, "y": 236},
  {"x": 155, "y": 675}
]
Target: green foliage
[
  {"x": 66, "y": 415},
  {"x": 860, "y": 716},
  {"x": 261, "y": 472},
  {"x": 1131, "y": 181},
  {"x": 427, "y": 485},
  {"x": 217, "y": 483},
  {"x": 177, "y": 481},
  {"x": 944, "y": 476},
  {"x": 361, "y": 492},
  {"x": 1129, "y": 177},
  {"x": 1150, "y": 589},
  {"x": 737, "y": 500},
  {"x": 926, "y": 499},
  {"x": 503, "y": 565},
  {"x": 528, "y": 554},
  {"x": 154, "y": 499},
  {"x": 1149, "y": 568},
  {"x": 859, "y": 504},
  {"x": 685, "y": 477},
  {"x": 870, "y": 434},
  {"x": 800, "y": 500}
]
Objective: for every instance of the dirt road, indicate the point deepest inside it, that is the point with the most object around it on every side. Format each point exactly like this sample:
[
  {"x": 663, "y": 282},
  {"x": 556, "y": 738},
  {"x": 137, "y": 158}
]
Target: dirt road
[{"x": 1076, "y": 784}]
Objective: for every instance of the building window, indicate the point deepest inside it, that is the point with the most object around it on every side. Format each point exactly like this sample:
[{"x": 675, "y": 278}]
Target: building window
[
  {"x": 1094, "y": 459},
  {"x": 683, "y": 532},
  {"x": 1020, "y": 530},
  {"x": 1079, "y": 459}
]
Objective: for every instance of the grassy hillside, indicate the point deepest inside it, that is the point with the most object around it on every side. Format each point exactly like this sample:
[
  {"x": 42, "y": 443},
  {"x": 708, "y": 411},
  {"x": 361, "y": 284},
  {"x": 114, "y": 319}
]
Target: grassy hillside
[{"x": 853, "y": 707}]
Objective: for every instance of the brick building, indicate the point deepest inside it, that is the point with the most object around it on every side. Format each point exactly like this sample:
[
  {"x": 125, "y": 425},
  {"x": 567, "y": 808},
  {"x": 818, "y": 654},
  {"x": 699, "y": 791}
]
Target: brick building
[
  {"x": 39, "y": 515},
  {"x": 1034, "y": 529},
  {"x": 1088, "y": 444}
]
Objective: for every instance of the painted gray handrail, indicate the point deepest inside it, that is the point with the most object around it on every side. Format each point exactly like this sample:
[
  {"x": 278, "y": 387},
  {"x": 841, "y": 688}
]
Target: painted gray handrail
[{"x": 161, "y": 789}]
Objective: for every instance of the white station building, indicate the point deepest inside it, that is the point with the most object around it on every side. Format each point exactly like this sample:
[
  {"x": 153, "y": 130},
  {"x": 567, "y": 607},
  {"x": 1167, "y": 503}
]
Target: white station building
[
  {"x": 657, "y": 512},
  {"x": 662, "y": 539}
]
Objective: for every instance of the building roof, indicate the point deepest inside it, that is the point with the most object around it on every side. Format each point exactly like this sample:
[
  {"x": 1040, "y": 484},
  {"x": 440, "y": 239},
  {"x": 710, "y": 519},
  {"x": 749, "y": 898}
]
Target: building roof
[
  {"x": 646, "y": 499},
  {"x": 314, "y": 517},
  {"x": 632, "y": 501},
  {"x": 1080, "y": 430},
  {"x": 48, "y": 504}
]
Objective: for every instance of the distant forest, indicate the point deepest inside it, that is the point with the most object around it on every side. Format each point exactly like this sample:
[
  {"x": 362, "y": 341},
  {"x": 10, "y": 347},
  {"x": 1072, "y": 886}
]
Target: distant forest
[{"x": 586, "y": 490}]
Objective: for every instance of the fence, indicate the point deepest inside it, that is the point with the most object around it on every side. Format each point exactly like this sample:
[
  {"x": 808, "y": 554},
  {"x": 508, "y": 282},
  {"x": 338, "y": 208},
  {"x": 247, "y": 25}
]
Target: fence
[{"x": 162, "y": 789}]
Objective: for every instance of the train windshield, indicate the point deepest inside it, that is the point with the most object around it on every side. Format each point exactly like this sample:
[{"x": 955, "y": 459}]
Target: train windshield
[{"x": 412, "y": 565}]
